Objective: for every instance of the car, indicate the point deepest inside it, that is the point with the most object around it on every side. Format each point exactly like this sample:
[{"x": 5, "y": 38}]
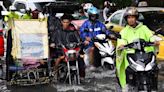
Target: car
[
  {"x": 3, "y": 9},
  {"x": 153, "y": 17},
  {"x": 30, "y": 4},
  {"x": 61, "y": 7}
]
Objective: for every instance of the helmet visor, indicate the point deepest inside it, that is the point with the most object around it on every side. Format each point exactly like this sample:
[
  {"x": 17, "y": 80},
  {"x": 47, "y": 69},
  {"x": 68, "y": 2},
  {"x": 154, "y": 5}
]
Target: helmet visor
[{"x": 93, "y": 16}]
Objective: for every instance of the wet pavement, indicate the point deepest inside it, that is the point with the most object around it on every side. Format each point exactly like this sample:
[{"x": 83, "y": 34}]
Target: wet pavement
[
  {"x": 37, "y": 88},
  {"x": 96, "y": 81}
]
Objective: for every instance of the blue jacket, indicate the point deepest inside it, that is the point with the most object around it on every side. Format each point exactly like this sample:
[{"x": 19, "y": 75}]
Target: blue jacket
[{"x": 93, "y": 30}]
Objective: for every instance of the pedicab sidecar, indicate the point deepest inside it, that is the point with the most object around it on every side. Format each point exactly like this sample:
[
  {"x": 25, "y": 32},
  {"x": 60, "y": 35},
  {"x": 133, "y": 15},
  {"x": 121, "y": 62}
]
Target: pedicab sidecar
[{"x": 27, "y": 57}]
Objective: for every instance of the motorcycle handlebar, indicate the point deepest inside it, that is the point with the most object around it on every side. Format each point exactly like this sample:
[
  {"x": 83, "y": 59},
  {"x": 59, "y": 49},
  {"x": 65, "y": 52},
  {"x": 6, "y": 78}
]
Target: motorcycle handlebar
[
  {"x": 149, "y": 44},
  {"x": 134, "y": 45},
  {"x": 67, "y": 45},
  {"x": 117, "y": 35},
  {"x": 159, "y": 31}
]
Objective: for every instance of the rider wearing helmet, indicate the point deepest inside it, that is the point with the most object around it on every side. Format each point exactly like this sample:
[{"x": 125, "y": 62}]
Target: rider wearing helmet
[
  {"x": 89, "y": 30},
  {"x": 131, "y": 12},
  {"x": 86, "y": 7},
  {"x": 133, "y": 30},
  {"x": 82, "y": 14},
  {"x": 106, "y": 11}
]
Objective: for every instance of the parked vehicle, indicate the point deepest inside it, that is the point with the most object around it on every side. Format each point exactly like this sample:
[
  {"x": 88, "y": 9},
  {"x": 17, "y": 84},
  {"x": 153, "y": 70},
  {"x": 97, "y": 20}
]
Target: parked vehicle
[
  {"x": 30, "y": 4},
  {"x": 3, "y": 9},
  {"x": 61, "y": 7}
]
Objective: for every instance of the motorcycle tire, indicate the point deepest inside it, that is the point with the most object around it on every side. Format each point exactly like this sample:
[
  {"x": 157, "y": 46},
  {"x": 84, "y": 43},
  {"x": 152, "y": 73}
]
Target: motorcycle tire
[
  {"x": 74, "y": 80},
  {"x": 108, "y": 66},
  {"x": 132, "y": 88}
]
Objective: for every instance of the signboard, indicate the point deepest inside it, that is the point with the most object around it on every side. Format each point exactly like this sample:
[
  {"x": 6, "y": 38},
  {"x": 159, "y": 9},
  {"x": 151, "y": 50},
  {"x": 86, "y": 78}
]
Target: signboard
[{"x": 30, "y": 39}]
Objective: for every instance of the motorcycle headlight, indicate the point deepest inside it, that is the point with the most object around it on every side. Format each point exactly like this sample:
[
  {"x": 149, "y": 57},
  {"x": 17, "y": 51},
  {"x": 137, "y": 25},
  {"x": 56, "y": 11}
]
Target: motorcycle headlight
[
  {"x": 136, "y": 66},
  {"x": 140, "y": 68},
  {"x": 150, "y": 65},
  {"x": 72, "y": 55}
]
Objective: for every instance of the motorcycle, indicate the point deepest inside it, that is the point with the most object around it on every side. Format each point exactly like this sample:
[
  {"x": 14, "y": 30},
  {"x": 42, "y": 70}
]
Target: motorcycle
[
  {"x": 69, "y": 69},
  {"x": 142, "y": 72},
  {"x": 106, "y": 50}
]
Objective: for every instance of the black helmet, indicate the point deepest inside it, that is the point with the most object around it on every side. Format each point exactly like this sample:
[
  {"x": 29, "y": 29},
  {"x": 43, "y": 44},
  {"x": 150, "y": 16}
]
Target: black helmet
[{"x": 67, "y": 16}]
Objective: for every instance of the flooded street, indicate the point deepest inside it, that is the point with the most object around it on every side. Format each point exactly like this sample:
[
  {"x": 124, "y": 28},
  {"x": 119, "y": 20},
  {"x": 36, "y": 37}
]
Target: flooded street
[
  {"x": 45, "y": 42},
  {"x": 96, "y": 81}
]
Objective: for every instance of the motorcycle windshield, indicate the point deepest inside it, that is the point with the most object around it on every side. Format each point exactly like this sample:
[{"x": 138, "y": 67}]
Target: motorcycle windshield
[{"x": 141, "y": 58}]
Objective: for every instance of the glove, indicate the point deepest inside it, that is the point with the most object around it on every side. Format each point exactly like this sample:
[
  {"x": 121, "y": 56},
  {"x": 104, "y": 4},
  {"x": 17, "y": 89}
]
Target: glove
[{"x": 52, "y": 45}]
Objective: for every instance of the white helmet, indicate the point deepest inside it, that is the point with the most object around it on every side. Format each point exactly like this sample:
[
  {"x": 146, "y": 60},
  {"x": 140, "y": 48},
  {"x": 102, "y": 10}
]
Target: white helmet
[
  {"x": 143, "y": 3},
  {"x": 12, "y": 8},
  {"x": 86, "y": 7},
  {"x": 106, "y": 3}
]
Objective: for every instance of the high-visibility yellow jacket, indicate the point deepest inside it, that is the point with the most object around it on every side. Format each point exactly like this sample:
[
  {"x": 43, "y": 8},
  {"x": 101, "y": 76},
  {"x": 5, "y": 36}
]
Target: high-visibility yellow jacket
[
  {"x": 11, "y": 15},
  {"x": 128, "y": 35},
  {"x": 27, "y": 16}
]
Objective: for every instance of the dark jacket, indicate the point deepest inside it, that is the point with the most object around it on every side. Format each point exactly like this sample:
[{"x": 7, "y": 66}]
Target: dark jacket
[
  {"x": 69, "y": 35},
  {"x": 54, "y": 26},
  {"x": 1, "y": 9}
]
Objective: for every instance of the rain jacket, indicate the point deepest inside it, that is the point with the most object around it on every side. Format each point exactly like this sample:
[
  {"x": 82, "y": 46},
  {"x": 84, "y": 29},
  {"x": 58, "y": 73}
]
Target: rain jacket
[
  {"x": 27, "y": 16},
  {"x": 54, "y": 26},
  {"x": 13, "y": 15},
  {"x": 128, "y": 35},
  {"x": 93, "y": 30},
  {"x": 8, "y": 18}
]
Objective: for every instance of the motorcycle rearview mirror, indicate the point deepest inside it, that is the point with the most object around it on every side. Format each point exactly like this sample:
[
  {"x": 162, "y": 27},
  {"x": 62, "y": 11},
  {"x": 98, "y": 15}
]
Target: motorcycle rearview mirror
[
  {"x": 106, "y": 22},
  {"x": 111, "y": 27},
  {"x": 118, "y": 36},
  {"x": 156, "y": 38},
  {"x": 159, "y": 31},
  {"x": 22, "y": 11}
]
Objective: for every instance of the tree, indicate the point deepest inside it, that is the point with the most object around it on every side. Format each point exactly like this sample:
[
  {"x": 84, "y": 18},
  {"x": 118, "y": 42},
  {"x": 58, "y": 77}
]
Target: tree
[{"x": 6, "y": 3}]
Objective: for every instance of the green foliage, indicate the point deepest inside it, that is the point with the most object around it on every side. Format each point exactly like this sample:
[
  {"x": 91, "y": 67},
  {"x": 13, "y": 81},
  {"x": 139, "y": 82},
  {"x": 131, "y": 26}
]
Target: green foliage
[
  {"x": 99, "y": 3},
  {"x": 122, "y": 3}
]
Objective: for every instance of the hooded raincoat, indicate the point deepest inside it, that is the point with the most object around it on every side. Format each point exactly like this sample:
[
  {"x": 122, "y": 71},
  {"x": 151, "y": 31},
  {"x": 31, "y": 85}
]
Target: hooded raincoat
[{"x": 128, "y": 35}]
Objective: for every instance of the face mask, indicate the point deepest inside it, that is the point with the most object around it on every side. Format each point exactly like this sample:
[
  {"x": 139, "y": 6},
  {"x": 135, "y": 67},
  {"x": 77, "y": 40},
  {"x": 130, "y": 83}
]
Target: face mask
[{"x": 93, "y": 17}]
